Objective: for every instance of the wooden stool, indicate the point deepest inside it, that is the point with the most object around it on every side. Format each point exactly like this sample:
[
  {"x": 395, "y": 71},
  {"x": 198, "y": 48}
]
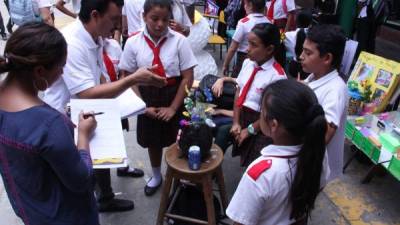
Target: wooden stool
[{"x": 177, "y": 168}]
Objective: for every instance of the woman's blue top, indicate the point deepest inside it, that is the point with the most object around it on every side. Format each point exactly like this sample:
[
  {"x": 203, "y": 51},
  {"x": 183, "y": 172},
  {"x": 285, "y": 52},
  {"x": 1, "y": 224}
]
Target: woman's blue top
[{"x": 47, "y": 179}]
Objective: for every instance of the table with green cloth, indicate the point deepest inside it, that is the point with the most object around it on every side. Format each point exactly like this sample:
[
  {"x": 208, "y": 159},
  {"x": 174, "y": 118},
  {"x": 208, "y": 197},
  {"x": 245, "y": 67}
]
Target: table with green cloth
[{"x": 378, "y": 137}]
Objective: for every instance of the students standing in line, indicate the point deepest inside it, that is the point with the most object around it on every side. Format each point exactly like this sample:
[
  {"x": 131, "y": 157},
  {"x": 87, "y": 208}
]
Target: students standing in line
[
  {"x": 171, "y": 55},
  {"x": 82, "y": 73},
  {"x": 48, "y": 179}
]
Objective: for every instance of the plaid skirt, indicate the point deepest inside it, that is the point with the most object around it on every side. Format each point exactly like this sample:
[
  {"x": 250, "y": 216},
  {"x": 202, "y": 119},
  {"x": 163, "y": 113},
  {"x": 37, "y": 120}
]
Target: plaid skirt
[
  {"x": 251, "y": 147},
  {"x": 240, "y": 57},
  {"x": 157, "y": 133}
]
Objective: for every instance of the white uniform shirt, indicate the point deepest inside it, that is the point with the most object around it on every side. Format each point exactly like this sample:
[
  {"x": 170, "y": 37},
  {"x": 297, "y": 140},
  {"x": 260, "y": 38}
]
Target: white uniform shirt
[
  {"x": 264, "y": 200},
  {"x": 244, "y": 27},
  {"x": 114, "y": 51},
  {"x": 331, "y": 92},
  {"x": 279, "y": 12},
  {"x": 363, "y": 11},
  {"x": 176, "y": 54},
  {"x": 83, "y": 68},
  {"x": 76, "y": 5},
  {"x": 270, "y": 73},
  {"x": 133, "y": 10}
]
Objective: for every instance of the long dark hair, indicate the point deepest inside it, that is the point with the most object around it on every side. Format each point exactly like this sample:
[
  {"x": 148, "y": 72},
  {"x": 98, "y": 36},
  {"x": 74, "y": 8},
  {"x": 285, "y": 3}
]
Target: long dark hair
[
  {"x": 296, "y": 108},
  {"x": 269, "y": 34}
]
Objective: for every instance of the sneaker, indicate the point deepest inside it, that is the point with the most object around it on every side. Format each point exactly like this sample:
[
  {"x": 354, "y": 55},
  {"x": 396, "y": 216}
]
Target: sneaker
[{"x": 115, "y": 205}]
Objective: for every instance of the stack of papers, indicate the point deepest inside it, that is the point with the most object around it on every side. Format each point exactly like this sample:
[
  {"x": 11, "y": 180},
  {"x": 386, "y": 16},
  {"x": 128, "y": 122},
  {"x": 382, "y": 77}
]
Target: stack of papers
[{"x": 107, "y": 145}]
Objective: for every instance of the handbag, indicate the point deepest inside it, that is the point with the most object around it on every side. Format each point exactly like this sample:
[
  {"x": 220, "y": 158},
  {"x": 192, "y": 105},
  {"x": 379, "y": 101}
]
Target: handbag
[{"x": 225, "y": 101}]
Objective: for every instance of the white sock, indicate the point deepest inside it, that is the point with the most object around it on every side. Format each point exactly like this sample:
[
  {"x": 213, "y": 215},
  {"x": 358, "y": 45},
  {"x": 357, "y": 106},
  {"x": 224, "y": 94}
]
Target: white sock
[{"x": 157, "y": 177}]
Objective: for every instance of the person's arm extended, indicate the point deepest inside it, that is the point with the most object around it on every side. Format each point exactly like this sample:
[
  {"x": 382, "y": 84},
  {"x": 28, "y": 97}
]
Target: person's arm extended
[
  {"x": 109, "y": 90},
  {"x": 229, "y": 55},
  {"x": 223, "y": 112},
  {"x": 60, "y": 5},
  {"x": 218, "y": 86},
  {"x": 187, "y": 80},
  {"x": 46, "y": 15},
  {"x": 236, "y": 128}
]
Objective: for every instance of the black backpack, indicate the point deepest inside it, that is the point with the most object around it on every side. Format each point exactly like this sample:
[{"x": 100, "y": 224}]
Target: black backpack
[
  {"x": 225, "y": 101},
  {"x": 190, "y": 202}
]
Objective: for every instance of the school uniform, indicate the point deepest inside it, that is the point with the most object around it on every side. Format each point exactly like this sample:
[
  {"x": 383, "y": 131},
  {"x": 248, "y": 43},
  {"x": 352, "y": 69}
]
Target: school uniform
[
  {"x": 243, "y": 29},
  {"x": 277, "y": 11},
  {"x": 83, "y": 69},
  {"x": 133, "y": 10},
  {"x": 331, "y": 92},
  {"x": 111, "y": 55},
  {"x": 262, "y": 196},
  {"x": 175, "y": 56},
  {"x": 249, "y": 104}
]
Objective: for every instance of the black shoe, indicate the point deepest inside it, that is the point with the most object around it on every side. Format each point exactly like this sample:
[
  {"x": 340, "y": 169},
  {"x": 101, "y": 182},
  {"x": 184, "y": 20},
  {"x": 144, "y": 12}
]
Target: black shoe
[
  {"x": 149, "y": 191},
  {"x": 115, "y": 205},
  {"x": 129, "y": 172}
]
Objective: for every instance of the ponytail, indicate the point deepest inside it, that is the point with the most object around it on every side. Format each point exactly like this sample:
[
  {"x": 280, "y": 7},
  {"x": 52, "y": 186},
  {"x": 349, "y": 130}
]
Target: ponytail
[
  {"x": 296, "y": 108},
  {"x": 300, "y": 38},
  {"x": 306, "y": 183}
]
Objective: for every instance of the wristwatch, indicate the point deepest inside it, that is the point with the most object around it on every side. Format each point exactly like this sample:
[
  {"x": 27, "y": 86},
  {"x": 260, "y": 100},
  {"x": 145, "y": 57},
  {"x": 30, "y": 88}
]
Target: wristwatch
[{"x": 251, "y": 129}]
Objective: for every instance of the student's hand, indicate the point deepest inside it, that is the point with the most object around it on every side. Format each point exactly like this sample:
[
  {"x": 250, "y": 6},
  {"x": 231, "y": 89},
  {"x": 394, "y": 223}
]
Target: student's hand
[
  {"x": 144, "y": 76},
  {"x": 86, "y": 125},
  {"x": 166, "y": 113},
  {"x": 235, "y": 130},
  {"x": 176, "y": 26},
  {"x": 218, "y": 87},
  {"x": 151, "y": 112},
  {"x": 243, "y": 135}
]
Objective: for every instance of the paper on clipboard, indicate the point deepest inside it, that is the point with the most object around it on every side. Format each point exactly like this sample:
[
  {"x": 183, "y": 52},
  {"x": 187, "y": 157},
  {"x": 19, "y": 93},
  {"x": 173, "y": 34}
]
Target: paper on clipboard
[
  {"x": 130, "y": 104},
  {"x": 107, "y": 143}
]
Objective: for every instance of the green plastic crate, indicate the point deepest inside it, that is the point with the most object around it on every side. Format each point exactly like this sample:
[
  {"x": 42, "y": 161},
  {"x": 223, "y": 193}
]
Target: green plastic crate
[
  {"x": 394, "y": 167},
  {"x": 349, "y": 130}
]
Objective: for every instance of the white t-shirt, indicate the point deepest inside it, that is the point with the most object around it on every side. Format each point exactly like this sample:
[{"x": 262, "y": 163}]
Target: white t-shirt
[
  {"x": 44, "y": 3},
  {"x": 244, "y": 27},
  {"x": 176, "y": 54},
  {"x": 271, "y": 72},
  {"x": 83, "y": 69},
  {"x": 279, "y": 12},
  {"x": 133, "y": 10},
  {"x": 76, "y": 5},
  {"x": 331, "y": 92}
]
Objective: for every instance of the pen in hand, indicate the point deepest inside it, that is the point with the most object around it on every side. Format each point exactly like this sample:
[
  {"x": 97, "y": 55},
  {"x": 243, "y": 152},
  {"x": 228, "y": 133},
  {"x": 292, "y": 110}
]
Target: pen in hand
[{"x": 86, "y": 115}]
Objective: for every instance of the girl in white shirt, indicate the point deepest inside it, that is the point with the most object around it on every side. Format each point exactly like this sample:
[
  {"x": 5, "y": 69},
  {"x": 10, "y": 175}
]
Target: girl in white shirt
[
  {"x": 258, "y": 71},
  {"x": 280, "y": 187},
  {"x": 169, "y": 55}
]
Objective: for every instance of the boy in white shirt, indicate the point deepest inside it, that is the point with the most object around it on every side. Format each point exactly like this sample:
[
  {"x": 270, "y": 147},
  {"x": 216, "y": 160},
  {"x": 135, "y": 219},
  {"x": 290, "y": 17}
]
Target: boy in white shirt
[{"x": 322, "y": 54}]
